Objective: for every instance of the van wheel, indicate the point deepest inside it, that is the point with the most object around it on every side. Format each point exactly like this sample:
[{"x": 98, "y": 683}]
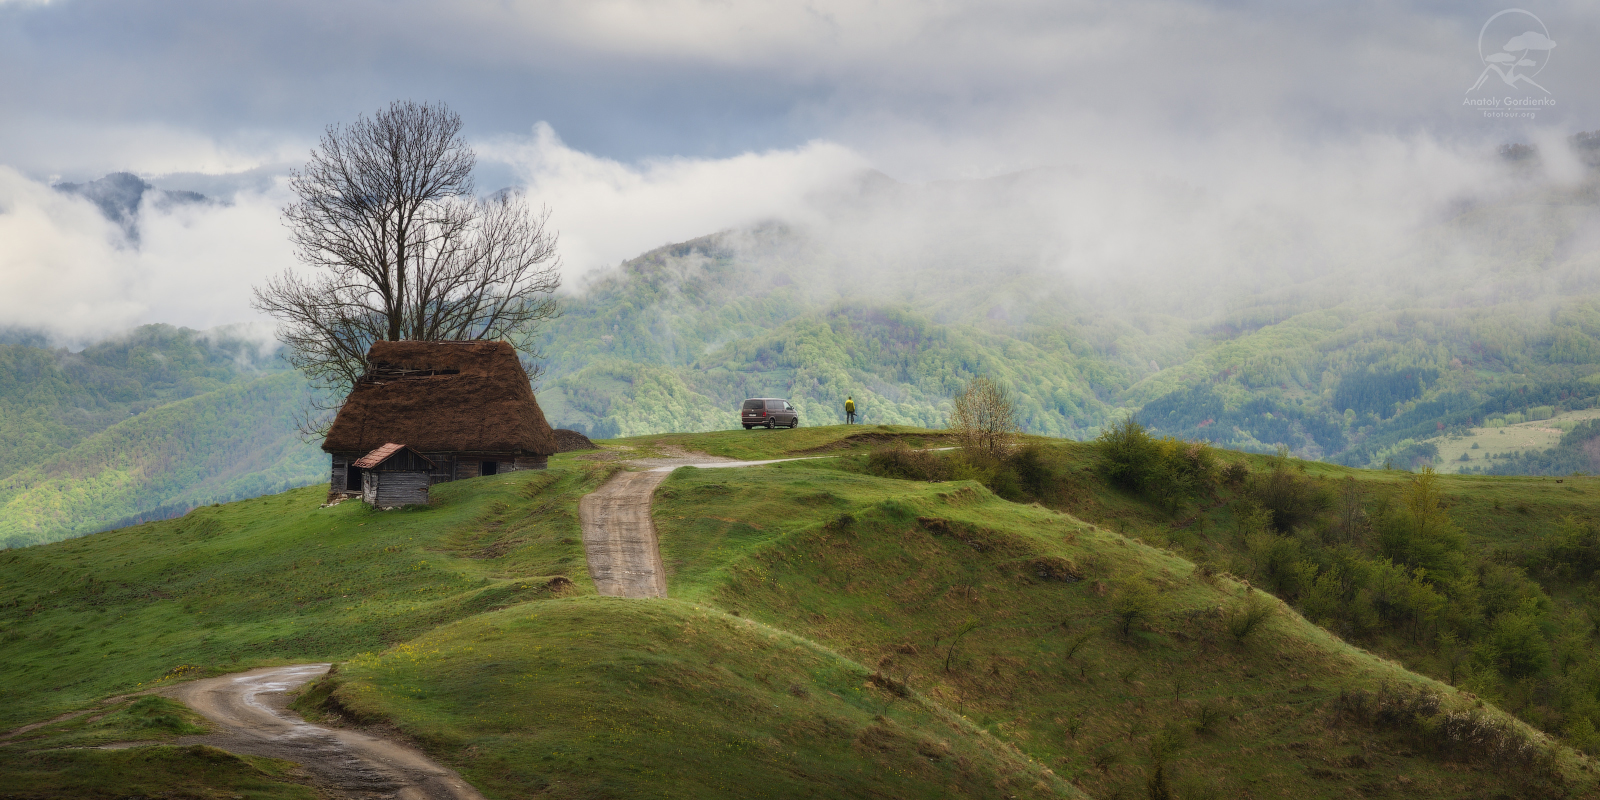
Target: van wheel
[
  {"x": 794, "y": 424},
  {"x": 770, "y": 425}
]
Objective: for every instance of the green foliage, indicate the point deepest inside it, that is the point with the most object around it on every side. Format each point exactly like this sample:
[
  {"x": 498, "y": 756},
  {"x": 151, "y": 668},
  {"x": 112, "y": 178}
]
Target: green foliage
[
  {"x": 1248, "y": 614},
  {"x": 1168, "y": 470},
  {"x": 1289, "y": 498},
  {"x": 144, "y": 426},
  {"x": 1132, "y": 602},
  {"x": 1419, "y": 533},
  {"x": 785, "y": 582}
]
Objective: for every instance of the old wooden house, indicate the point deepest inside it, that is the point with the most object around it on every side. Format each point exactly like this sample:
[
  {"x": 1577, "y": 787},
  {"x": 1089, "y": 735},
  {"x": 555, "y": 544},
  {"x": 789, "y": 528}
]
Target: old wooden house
[
  {"x": 465, "y": 408},
  {"x": 395, "y": 475}
]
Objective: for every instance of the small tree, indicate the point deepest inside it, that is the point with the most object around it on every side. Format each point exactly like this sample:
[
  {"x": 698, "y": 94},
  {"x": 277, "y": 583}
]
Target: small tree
[
  {"x": 984, "y": 418},
  {"x": 1133, "y": 602}
]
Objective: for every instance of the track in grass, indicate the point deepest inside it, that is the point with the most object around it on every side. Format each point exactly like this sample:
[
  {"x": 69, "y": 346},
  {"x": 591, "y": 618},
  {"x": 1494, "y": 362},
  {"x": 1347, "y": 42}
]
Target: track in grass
[
  {"x": 620, "y": 540},
  {"x": 247, "y": 709}
]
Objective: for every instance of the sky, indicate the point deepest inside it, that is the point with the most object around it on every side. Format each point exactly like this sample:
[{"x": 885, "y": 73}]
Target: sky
[{"x": 643, "y": 123}]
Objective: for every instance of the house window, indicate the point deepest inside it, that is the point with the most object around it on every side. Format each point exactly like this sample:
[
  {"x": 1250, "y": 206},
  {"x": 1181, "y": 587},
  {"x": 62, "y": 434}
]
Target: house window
[
  {"x": 489, "y": 468},
  {"x": 352, "y": 478}
]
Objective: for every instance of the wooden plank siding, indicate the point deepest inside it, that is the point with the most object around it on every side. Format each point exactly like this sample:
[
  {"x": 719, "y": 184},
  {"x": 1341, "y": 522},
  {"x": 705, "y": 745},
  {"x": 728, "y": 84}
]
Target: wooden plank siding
[
  {"x": 391, "y": 489},
  {"x": 447, "y": 467}
]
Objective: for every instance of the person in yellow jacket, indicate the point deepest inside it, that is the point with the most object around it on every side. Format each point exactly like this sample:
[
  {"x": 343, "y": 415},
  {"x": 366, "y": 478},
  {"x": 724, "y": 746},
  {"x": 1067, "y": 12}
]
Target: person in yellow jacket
[{"x": 849, "y": 410}]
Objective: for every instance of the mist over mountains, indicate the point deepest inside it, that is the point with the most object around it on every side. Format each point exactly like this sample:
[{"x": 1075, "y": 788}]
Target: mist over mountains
[
  {"x": 1094, "y": 295},
  {"x": 1256, "y": 311},
  {"x": 119, "y": 195}
]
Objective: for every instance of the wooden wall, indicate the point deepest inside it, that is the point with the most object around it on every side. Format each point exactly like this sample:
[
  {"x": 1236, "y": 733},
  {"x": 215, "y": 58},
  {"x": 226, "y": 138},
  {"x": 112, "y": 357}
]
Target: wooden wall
[
  {"x": 449, "y": 467},
  {"x": 390, "y": 489}
]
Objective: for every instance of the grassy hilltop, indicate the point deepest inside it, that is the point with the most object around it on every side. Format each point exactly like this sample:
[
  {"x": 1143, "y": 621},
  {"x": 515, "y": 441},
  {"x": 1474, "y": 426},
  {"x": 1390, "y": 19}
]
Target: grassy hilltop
[{"x": 829, "y": 631}]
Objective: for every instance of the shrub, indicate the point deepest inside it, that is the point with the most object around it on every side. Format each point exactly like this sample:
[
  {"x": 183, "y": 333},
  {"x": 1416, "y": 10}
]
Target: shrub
[
  {"x": 1126, "y": 454},
  {"x": 1248, "y": 614},
  {"x": 900, "y": 461},
  {"x": 1419, "y": 533},
  {"x": 1292, "y": 499},
  {"x": 1132, "y": 601},
  {"x": 1468, "y": 736},
  {"x": 1166, "y": 470},
  {"x": 985, "y": 418}
]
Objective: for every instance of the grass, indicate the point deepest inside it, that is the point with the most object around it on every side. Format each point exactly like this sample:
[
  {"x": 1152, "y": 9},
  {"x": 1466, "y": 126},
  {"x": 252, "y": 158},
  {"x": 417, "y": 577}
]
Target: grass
[
  {"x": 600, "y": 697},
  {"x": 760, "y": 444},
  {"x": 195, "y": 771},
  {"x": 1511, "y": 439},
  {"x": 828, "y": 633},
  {"x": 891, "y": 572},
  {"x": 274, "y": 580}
]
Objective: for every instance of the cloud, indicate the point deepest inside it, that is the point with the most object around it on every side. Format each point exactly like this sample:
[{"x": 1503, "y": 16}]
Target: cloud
[
  {"x": 66, "y": 270},
  {"x": 607, "y": 211},
  {"x": 682, "y": 117}
]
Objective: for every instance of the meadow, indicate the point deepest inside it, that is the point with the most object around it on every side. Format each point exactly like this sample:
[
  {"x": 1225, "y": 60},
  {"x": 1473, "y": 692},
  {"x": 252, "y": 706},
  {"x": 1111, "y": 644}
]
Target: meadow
[{"x": 828, "y": 630}]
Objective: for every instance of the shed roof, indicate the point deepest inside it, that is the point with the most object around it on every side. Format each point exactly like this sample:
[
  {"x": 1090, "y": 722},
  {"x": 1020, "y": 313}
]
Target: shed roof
[
  {"x": 442, "y": 397},
  {"x": 383, "y": 453}
]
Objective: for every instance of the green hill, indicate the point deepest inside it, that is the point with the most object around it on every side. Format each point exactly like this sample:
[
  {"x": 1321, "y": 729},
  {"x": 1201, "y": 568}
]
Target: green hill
[
  {"x": 1488, "y": 310},
  {"x": 143, "y": 426},
  {"x": 828, "y": 631}
]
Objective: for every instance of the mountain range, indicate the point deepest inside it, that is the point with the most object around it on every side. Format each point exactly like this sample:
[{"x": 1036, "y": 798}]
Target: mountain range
[{"x": 1364, "y": 352}]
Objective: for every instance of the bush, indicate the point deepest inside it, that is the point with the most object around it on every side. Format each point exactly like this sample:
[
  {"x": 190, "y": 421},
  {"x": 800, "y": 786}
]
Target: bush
[
  {"x": 1248, "y": 614},
  {"x": 1132, "y": 601},
  {"x": 900, "y": 461},
  {"x": 1166, "y": 470},
  {"x": 1290, "y": 498},
  {"x": 985, "y": 418},
  {"x": 1468, "y": 736}
]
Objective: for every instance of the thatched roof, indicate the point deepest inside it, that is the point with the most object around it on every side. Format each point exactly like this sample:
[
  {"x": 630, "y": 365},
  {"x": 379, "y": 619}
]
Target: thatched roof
[{"x": 442, "y": 397}]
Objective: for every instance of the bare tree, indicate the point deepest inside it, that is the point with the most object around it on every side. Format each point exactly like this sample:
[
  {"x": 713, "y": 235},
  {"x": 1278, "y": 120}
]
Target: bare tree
[
  {"x": 401, "y": 248},
  {"x": 984, "y": 418}
]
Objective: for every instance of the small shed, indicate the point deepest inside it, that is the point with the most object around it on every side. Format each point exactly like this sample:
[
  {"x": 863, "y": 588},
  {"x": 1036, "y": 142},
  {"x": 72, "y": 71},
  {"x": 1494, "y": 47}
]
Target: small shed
[{"x": 395, "y": 475}]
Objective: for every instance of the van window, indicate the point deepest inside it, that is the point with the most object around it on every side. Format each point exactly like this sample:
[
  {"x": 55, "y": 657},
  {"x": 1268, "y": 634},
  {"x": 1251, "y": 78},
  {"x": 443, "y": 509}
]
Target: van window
[
  {"x": 787, "y": 407},
  {"x": 752, "y": 404},
  {"x": 774, "y": 405}
]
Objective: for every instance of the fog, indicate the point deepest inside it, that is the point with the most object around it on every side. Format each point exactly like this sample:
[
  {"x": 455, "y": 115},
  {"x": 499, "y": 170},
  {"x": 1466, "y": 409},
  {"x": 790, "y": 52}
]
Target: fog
[{"x": 1168, "y": 157}]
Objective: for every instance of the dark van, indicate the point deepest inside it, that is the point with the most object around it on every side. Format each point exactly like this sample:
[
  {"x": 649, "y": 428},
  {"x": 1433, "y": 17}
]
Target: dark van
[{"x": 772, "y": 412}]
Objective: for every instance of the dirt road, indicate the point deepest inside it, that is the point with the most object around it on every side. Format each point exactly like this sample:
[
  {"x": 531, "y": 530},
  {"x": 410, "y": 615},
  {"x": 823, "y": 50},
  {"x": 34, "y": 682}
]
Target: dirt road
[
  {"x": 620, "y": 540},
  {"x": 247, "y": 709}
]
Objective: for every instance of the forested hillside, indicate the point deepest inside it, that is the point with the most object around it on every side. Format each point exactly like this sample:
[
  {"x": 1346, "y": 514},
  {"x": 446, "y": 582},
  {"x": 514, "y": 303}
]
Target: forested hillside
[
  {"x": 1490, "y": 313},
  {"x": 143, "y": 426}
]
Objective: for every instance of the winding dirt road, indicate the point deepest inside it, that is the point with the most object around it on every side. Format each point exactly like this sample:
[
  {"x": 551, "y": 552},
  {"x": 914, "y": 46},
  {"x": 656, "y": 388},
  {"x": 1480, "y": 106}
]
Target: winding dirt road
[
  {"x": 248, "y": 711},
  {"x": 620, "y": 540}
]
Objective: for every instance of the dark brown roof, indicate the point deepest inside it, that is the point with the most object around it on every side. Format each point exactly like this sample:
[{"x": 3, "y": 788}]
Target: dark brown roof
[{"x": 442, "y": 397}]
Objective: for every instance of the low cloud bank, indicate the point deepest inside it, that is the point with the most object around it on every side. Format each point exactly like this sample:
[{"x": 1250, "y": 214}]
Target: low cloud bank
[
  {"x": 66, "y": 270},
  {"x": 1134, "y": 228}
]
